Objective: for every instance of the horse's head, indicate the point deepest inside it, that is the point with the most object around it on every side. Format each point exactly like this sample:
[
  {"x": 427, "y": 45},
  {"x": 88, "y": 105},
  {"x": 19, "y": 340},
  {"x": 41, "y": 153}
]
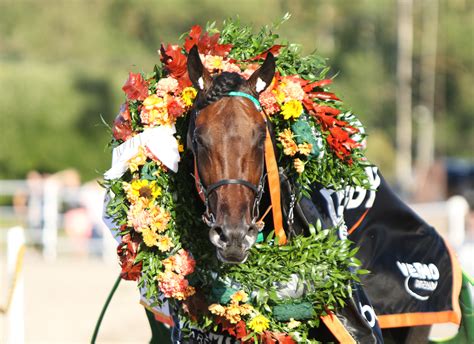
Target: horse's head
[{"x": 227, "y": 135}]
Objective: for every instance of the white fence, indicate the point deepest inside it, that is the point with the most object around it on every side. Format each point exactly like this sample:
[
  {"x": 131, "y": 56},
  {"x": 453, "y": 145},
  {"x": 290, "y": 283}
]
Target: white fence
[{"x": 58, "y": 218}]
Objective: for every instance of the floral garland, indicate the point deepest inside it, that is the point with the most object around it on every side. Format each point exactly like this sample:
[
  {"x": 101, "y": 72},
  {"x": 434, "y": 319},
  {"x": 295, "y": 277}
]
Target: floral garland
[{"x": 318, "y": 141}]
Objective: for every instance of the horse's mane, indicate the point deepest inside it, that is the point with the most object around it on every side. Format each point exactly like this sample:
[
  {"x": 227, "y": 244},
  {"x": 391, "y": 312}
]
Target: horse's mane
[{"x": 222, "y": 84}]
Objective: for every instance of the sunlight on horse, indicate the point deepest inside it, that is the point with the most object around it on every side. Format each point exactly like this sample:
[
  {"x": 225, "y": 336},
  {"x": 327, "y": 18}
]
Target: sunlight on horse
[{"x": 227, "y": 135}]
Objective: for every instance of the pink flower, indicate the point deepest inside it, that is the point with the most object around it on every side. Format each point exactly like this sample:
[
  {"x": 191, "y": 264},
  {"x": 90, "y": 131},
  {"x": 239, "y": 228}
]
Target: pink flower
[
  {"x": 251, "y": 68},
  {"x": 291, "y": 89},
  {"x": 184, "y": 263},
  {"x": 181, "y": 263},
  {"x": 166, "y": 85},
  {"x": 269, "y": 102},
  {"x": 230, "y": 67},
  {"x": 174, "y": 285}
]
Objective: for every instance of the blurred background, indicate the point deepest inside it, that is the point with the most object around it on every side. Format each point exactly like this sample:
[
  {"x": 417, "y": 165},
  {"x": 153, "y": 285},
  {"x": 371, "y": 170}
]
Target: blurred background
[{"x": 405, "y": 67}]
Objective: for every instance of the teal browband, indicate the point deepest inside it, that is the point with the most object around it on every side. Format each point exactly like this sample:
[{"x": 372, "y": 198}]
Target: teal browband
[{"x": 248, "y": 96}]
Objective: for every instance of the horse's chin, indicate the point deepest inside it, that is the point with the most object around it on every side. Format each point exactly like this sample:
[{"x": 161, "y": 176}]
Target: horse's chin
[{"x": 233, "y": 258}]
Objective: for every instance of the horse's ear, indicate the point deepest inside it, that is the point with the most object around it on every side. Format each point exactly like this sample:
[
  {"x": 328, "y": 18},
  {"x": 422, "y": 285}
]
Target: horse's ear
[
  {"x": 262, "y": 77},
  {"x": 199, "y": 75}
]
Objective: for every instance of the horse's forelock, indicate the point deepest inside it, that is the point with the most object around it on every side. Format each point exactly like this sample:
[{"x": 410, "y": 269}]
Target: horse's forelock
[{"x": 222, "y": 84}]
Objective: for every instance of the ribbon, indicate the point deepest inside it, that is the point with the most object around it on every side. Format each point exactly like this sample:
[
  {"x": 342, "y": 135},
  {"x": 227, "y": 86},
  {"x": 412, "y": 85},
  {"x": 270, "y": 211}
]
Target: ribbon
[
  {"x": 274, "y": 186},
  {"x": 159, "y": 141}
]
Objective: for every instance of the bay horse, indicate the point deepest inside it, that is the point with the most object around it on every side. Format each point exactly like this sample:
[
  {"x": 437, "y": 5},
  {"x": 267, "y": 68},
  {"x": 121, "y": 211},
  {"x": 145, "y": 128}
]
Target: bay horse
[{"x": 226, "y": 133}]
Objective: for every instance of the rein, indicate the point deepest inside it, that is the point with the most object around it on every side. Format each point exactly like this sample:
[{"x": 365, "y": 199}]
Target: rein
[{"x": 272, "y": 175}]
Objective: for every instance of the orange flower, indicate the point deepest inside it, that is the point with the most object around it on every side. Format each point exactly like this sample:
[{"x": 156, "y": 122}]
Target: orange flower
[
  {"x": 305, "y": 148},
  {"x": 217, "y": 309},
  {"x": 299, "y": 165},
  {"x": 232, "y": 313},
  {"x": 286, "y": 135},
  {"x": 290, "y": 148},
  {"x": 240, "y": 296}
]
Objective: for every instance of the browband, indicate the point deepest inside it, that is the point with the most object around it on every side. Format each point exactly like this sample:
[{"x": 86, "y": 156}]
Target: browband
[{"x": 248, "y": 96}]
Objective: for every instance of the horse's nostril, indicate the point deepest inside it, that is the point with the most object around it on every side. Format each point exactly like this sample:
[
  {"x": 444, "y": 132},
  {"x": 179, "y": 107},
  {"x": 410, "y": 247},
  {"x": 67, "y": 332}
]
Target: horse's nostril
[{"x": 220, "y": 233}]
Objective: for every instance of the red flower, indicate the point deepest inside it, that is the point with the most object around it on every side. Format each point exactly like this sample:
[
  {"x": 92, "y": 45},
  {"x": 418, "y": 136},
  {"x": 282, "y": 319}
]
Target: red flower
[
  {"x": 122, "y": 127},
  {"x": 175, "y": 108},
  {"x": 176, "y": 64},
  {"x": 206, "y": 44},
  {"x": 135, "y": 87},
  {"x": 127, "y": 252},
  {"x": 174, "y": 60}
]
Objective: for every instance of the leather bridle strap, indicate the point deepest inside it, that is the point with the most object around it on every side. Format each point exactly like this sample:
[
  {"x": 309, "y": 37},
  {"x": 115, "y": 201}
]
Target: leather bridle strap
[{"x": 223, "y": 182}]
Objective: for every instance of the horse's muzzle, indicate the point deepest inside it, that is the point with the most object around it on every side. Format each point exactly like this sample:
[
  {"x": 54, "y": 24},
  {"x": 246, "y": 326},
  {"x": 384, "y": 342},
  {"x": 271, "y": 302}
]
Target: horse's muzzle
[{"x": 233, "y": 243}]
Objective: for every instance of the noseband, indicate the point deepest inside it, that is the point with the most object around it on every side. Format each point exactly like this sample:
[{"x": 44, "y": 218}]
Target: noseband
[{"x": 204, "y": 192}]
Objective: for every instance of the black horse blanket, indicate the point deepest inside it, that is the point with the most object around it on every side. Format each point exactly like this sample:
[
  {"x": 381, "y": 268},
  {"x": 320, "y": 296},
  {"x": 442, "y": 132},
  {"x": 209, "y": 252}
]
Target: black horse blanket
[{"x": 415, "y": 278}]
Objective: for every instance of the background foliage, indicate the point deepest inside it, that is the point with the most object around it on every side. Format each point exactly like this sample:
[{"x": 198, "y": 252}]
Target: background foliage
[{"x": 62, "y": 65}]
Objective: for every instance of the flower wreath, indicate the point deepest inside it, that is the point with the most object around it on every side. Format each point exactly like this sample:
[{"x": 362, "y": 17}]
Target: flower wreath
[{"x": 157, "y": 218}]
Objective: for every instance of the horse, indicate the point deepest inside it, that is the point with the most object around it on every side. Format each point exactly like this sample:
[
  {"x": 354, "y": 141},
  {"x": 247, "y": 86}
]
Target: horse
[{"x": 226, "y": 134}]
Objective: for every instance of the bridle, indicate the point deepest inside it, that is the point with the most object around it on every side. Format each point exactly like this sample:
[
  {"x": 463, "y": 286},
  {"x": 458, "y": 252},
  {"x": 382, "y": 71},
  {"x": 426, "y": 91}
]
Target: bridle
[{"x": 205, "y": 191}]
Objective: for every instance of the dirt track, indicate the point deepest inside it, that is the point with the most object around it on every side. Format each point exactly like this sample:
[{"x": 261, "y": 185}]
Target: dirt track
[{"x": 63, "y": 300}]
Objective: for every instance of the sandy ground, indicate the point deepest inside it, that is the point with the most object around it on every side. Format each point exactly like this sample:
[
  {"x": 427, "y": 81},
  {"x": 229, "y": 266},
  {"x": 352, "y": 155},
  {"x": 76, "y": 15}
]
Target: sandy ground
[{"x": 63, "y": 300}]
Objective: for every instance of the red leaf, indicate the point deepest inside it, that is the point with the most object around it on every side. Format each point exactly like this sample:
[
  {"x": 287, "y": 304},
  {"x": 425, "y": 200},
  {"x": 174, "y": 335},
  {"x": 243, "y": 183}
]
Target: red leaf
[
  {"x": 283, "y": 338},
  {"x": 122, "y": 127},
  {"x": 326, "y": 109},
  {"x": 324, "y": 95},
  {"x": 241, "y": 330},
  {"x": 127, "y": 252},
  {"x": 135, "y": 87},
  {"x": 320, "y": 83}
]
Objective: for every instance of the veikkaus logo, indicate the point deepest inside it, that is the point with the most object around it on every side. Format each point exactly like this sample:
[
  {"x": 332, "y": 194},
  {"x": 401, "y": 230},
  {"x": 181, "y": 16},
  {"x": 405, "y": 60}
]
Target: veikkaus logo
[{"x": 421, "y": 279}]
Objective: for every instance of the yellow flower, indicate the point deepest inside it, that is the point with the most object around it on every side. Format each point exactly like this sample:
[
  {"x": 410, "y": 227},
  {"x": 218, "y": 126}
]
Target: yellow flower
[
  {"x": 305, "y": 148},
  {"x": 164, "y": 243},
  {"x": 217, "y": 309},
  {"x": 279, "y": 94},
  {"x": 246, "y": 309},
  {"x": 160, "y": 217},
  {"x": 149, "y": 237},
  {"x": 153, "y": 102},
  {"x": 292, "y": 109},
  {"x": 188, "y": 95},
  {"x": 240, "y": 296},
  {"x": 259, "y": 323},
  {"x": 213, "y": 62},
  {"x": 138, "y": 160},
  {"x": 293, "y": 323},
  {"x": 142, "y": 188},
  {"x": 299, "y": 165}
]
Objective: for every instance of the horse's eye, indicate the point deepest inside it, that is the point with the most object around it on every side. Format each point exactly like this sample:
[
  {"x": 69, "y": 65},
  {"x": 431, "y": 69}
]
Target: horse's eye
[{"x": 198, "y": 140}]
